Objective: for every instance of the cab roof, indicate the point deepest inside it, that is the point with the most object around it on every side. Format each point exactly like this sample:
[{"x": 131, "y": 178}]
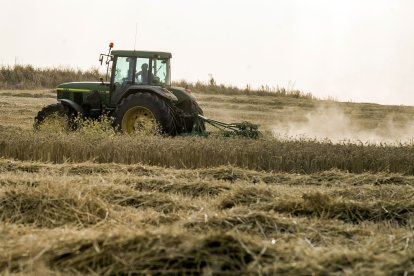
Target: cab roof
[{"x": 143, "y": 54}]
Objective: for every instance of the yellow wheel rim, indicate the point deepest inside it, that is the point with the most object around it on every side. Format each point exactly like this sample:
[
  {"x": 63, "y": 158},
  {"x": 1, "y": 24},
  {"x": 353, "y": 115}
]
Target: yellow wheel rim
[{"x": 139, "y": 120}]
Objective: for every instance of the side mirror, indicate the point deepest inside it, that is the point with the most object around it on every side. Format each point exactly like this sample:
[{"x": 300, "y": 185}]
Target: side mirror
[{"x": 101, "y": 59}]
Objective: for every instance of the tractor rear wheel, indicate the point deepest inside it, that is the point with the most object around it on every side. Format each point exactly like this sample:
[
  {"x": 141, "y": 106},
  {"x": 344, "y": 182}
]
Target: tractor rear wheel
[
  {"x": 53, "y": 117},
  {"x": 144, "y": 114}
]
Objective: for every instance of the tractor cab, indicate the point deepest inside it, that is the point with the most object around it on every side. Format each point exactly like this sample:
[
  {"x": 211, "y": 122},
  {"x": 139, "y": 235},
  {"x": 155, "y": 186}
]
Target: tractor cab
[
  {"x": 140, "y": 68},
  {"x": 137, "y": 70}
]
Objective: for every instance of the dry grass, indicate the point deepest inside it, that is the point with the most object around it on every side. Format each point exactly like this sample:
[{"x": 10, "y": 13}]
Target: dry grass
[
  {"x": 321, "y": 205},
  {"x": 88, "y": 218},
  {"x": 269, "y": 154},
  {"x": 28, "y": 77},
  {"x": 43, "y": 207},
  {"x": 96, "y": 203},
  {"x": 264, "y": 90}
]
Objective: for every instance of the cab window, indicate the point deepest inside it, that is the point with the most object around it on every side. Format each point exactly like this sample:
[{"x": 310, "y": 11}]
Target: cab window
[
  {"x": 124, "y": 70},
  {"x": 159, "y": 71}
]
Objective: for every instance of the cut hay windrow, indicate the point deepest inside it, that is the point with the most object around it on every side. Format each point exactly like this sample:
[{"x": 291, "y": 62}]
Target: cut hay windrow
[
  {"x": 248, "y": 195},
  {"x": 51, "y": 207},
  {"x": 148, "y": 253},
  {"x": 322, "y": 205},
  {"x": 273, "y": 225},
  {"x": 188, "y": 187},
  {"x": 255, "y": 222},
  {"x": 176, "y": 252},
  {"x": 128, "y": 197}
]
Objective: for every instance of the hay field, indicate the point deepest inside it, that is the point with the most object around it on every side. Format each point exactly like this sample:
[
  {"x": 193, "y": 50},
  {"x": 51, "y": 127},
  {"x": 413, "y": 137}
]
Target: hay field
[{"x": 98, "y": 203}]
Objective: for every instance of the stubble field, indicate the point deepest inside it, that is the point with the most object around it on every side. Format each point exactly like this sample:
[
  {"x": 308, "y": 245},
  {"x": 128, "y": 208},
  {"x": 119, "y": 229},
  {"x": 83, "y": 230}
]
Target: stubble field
[{"x": 97, "y": 203}]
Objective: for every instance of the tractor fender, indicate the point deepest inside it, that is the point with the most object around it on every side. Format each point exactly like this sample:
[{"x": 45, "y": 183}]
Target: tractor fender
[
  {"x": 182, "y": 94},
  {"x": 159, "y": 91},
  {"x": 74, "y": 106}
]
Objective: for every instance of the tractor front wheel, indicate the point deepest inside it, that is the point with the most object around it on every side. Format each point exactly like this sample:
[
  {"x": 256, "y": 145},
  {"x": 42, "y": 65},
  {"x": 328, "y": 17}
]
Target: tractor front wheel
[
  {"x": 54, "y": 118},
  {"x": 144, "y": 114}
]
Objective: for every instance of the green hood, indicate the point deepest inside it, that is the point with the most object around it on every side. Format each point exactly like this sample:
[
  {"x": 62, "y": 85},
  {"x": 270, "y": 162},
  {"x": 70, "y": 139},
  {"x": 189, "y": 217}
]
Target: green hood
[{"x": 83, "y": 86}]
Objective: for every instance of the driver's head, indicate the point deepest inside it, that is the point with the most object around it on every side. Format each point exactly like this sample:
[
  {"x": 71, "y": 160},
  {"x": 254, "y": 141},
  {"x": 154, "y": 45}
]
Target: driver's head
[{"x": 144, "y": 67}]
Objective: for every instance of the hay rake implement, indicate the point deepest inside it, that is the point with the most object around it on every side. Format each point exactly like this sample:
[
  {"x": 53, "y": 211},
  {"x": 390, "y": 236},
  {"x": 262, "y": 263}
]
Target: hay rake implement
[{"x": 243, "y": 129}]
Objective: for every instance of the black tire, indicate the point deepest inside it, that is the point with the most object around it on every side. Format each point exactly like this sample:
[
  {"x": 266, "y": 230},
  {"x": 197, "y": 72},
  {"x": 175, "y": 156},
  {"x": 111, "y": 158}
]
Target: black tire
[
  {"x": 54, "y": 109},
  {"x": 159, "y": 108}
]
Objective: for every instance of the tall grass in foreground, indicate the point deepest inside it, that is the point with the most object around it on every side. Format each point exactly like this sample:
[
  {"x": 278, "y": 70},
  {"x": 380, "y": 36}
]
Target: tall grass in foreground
[
  {"x": 301, "y": 156},
  {"x": 29, "y": 77}
]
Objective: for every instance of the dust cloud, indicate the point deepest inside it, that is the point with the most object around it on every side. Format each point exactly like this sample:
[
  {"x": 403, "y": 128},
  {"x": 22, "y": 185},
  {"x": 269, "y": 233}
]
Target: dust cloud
[{"x": 333, "y": 124}]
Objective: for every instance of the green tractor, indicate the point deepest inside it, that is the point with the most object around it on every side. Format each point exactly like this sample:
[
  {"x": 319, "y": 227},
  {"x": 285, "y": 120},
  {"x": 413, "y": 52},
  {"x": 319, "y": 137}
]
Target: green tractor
[{"x": 138, "y": 97}]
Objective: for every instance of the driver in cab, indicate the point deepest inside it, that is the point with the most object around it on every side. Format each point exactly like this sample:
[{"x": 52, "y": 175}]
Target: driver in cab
[{"x": 143, "y": 74}]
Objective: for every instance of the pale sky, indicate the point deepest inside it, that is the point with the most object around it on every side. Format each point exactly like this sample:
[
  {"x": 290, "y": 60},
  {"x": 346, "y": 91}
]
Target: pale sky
[{"x": 350, "y": 50}]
